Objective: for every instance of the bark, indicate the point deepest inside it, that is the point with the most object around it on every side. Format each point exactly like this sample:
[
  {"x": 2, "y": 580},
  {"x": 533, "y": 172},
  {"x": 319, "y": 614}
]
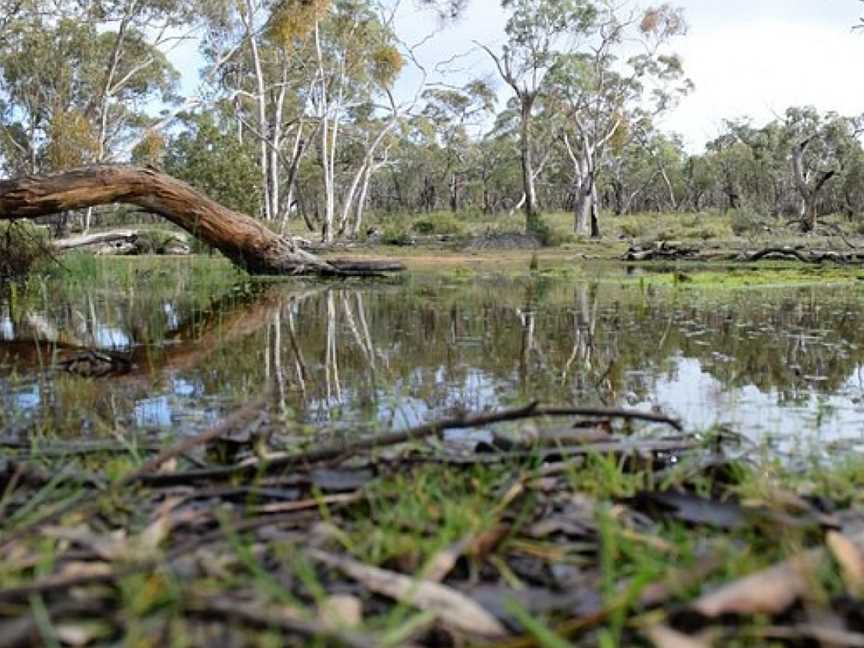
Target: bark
[
  {"x": 246, "y": 242},
  {"x": 809, "y": 194},
  {"x": 531, "y": 215},
  {"x": 102, "y": 238},
  {"x": 261, "y": 99}
]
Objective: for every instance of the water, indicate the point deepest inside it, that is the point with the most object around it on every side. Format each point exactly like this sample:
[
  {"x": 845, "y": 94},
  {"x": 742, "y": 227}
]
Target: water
[{"x": 772, "y": 363}]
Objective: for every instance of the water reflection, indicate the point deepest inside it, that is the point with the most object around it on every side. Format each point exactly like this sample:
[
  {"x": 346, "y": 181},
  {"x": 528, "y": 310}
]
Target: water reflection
[{"x": 783, "y": 362}]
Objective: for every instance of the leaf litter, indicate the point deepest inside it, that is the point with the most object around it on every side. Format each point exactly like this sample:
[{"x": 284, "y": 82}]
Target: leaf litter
[{"x": 582, "y": 536}]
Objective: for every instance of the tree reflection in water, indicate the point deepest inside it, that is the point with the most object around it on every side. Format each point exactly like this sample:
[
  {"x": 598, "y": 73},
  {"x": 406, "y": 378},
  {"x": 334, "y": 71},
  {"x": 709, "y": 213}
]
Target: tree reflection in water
[{"x": 770, "y": 360}]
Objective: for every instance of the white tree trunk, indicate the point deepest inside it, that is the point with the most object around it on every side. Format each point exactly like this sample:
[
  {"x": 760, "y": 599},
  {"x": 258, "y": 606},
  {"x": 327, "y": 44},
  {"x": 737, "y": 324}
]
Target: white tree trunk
[{"x": 263, "y": 126}]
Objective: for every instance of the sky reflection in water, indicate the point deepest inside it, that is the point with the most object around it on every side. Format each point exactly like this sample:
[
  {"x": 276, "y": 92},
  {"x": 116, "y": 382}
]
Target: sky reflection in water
[{"x": 783, "y": 362}]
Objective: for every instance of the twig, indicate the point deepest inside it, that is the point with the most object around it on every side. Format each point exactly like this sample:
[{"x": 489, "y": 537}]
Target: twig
[
  {"x": 335, "y": 451},
  {"x": 240, "y": 417},
  {"x": 226, "y": 611}
]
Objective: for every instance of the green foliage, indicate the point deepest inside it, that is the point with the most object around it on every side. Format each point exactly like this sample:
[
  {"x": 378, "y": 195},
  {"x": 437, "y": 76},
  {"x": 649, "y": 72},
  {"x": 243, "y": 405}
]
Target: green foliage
[
  {"x": 23, "y": 247},
  {"x": 440, "y": 224},
  {"x": 216, "y": 163},
  {"x": 396, "y": 235},
  {"x": 746, "y": 221},
  {"x": 54, "y": 74}
]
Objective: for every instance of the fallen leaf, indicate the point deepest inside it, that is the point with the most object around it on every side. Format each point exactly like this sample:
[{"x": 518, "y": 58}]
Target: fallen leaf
[
  {"x": 82, "y": 634},
  {"x": 341, "y": 610},
  {"x": 769, "y": 591},
  {"x": 148, "y": 541},
  {"x": 851, "y": 560},
  {"x": 455, "y": 608},
  {"x": 443, "y": 562},
  {"x": 75, "y": 569},
  {"x": 578, "y": 600},
  {"x": 662, "y": 636}
]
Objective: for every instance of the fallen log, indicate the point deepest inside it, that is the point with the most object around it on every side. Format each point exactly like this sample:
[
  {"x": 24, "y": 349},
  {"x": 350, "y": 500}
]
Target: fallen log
[
  {"x": 101, "y": 238},
  {"x": 673, "y": 252},
  {"x": 245, "y": 241}
]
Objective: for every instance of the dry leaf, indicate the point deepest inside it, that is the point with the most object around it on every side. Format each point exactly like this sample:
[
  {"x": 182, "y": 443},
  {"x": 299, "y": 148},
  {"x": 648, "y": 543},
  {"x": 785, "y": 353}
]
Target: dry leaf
[
  {"x": 81, "y": 634},
  {"x": 769, "y": 591},
  {"x": 443, "y": 562},
  {"x": 148, "y": 541},
  {"x": 457, "y": 609},
  {"x": 341, "y": 610},
  {"x": 75, "y": 569},
  {"x": 851, "y": 561},
  {"x": 662, "y": 636}
]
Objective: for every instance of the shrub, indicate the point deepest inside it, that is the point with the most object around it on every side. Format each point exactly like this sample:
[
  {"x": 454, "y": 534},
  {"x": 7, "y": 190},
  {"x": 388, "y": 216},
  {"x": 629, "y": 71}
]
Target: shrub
[
  {"x": 441, "y": 224},
  {"x": 634, "y": 229},
  {"x": 745, "y": 221},
  {"x": 395, "y": 235},
  {"x": 22, "y": 247}
]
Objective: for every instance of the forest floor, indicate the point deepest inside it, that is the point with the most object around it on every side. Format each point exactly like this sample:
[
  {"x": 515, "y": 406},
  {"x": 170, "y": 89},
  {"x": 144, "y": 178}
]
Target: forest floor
[
  {"x": 424, "y": 241},
  {"x": 610, "y": 533}
]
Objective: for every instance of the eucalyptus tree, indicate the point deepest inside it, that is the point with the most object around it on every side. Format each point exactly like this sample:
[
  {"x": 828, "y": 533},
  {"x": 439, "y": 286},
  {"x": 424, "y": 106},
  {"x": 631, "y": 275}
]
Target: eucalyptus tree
[
  {"x": 729, "y": 157},
  {"x": 254, "y": 69},
  {"x": 70, "y": 97},
  {"x": 357, "y": 60},
  {"x": 609, "y": 88},
  {"x": 820, "y": 147},
  {"x": 537, "y": 30},
  {"x": 700, "y": 180},
  {"x": 206, "y": 153},
  {"x": 764, "y": 173},
  {"x": 452, "y": 112},
  {"x": 295, "y": 72},
  {"x": 627, "y": 177}
]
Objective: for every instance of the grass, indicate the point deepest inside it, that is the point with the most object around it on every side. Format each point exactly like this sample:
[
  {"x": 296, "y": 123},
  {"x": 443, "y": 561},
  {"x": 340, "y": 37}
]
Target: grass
[
  {"x": 404, "y": 520},
  {"x": 733, "y": 229}
]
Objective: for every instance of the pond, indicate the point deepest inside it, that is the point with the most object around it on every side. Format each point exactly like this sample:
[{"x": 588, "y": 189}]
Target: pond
[{"x": 782, "y": 365}]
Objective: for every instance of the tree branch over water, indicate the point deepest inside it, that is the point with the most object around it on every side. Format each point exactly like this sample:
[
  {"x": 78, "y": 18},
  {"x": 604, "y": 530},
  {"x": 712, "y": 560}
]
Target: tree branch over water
[{"x": 245, "y": 241}]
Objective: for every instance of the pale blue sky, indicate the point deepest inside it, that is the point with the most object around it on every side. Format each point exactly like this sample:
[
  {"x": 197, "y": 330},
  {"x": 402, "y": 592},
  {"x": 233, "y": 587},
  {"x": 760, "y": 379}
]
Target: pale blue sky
[{"x": 746, "y": 57}]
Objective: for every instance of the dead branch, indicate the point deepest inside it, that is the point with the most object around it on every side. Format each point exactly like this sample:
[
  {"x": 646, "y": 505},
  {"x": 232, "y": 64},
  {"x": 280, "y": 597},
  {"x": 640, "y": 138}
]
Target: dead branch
[{"x": 246, "y": 242}]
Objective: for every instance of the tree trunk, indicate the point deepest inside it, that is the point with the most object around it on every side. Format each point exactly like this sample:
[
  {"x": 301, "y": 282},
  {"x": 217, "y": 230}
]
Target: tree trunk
[
  {"x": 595, "y": 209},
  {"x": 102, "y": 238},
  {"x": 532, "y": 220},
  {"x": 809, "y": 194},
  {"x": 246, "y": 242},
  {"x": 583, "y": 210}
]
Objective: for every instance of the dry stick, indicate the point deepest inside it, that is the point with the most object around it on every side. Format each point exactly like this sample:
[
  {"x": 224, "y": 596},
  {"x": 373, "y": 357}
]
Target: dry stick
[
  {"x": 226, "y": 611},
  {"x": 335, "y": 451},
  {"x": 566, "y": 452},
  {"x": 242, "y": 416}
]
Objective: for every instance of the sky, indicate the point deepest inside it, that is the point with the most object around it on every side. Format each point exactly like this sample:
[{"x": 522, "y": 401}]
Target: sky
[{"x": 746, "y": 57}]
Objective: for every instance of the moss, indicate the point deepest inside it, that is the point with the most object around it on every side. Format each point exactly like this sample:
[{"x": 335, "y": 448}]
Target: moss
[{"x": 699, "y": 276}]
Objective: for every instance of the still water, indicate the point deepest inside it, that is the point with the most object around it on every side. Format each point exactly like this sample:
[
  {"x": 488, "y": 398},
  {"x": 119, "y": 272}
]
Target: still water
[{"x": 771, "y": 363}]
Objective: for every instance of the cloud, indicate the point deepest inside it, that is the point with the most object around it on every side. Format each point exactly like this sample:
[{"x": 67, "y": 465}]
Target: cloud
[
  {"x": 746, "y": 58},
  {"x": 758, "y": 69}
]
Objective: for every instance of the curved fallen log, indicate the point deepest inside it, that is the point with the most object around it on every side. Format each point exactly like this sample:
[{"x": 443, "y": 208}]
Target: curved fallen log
[{"x": 245, "y": 241}]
